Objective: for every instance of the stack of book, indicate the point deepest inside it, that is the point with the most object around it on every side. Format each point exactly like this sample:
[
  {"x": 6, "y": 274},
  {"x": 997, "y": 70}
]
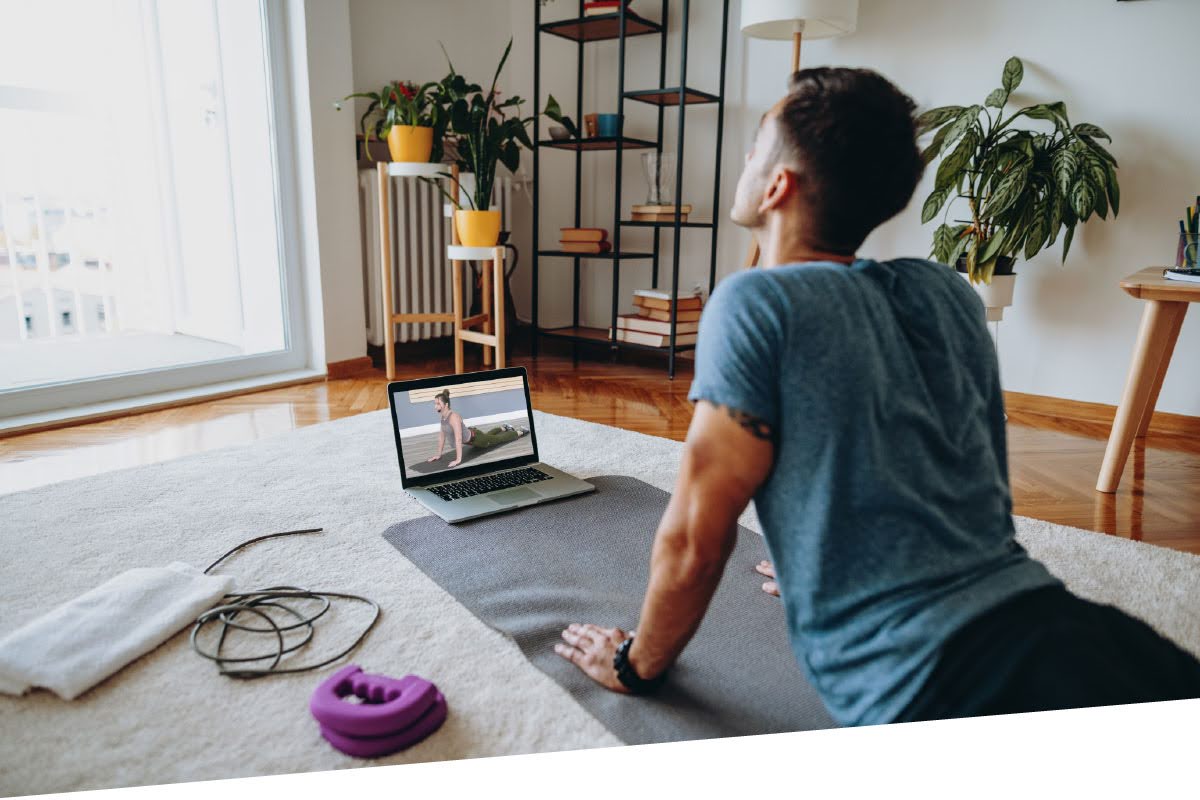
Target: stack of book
[
  {"x": 660, "y": 213},
  {"x": 651, "y": 325},
  {"x": 584, "y": 240},
  {"x": 596, "y": 8}
]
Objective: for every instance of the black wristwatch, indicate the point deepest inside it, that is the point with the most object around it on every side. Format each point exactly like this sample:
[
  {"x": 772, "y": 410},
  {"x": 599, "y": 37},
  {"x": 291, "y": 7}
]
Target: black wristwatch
[{"x": 628, "y": 676}]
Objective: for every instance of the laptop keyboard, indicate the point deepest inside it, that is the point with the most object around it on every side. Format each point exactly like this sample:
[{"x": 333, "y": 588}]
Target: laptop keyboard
[{"x": 489, "y": 483}]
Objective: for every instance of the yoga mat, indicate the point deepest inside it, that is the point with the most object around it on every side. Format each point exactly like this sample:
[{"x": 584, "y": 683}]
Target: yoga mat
[{"x": 531, "y": 572}]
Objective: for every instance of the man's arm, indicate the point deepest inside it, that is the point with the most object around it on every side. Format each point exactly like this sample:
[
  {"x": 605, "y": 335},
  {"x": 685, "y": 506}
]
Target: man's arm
[
  {"x": 441, "y": 444},
  {"x": 457, "y": 426},
  {"x": 727, "y": 457}
]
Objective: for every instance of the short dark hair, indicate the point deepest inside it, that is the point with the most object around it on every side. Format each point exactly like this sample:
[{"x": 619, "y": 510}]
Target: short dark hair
[
  {"x": 444, "y": 396},
  {"x": 852, "y": 133}
]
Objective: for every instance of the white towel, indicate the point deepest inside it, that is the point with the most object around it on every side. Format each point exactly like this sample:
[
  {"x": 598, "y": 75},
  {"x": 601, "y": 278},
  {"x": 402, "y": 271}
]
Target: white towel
[{"x": 83, "y": 641}]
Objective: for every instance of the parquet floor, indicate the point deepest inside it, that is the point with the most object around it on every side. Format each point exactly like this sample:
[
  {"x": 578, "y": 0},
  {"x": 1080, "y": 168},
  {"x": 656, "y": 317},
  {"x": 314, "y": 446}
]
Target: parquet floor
[{"x": 1053, "y": 462}]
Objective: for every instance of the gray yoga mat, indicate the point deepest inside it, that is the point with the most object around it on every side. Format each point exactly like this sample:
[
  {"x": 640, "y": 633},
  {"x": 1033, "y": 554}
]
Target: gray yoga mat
[{"x": 586, "y": 559}]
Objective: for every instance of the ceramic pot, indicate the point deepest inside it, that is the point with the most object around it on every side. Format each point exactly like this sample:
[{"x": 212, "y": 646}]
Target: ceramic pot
[
  {"x": 478, "y": 228},
  {"x": 410, "y": 143},
  {"x": 997, "y": 295}
]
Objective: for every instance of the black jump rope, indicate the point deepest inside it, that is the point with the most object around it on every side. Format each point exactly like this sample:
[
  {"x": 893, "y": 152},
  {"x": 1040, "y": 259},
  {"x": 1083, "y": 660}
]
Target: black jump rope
[{"x": 239, "y": 603}]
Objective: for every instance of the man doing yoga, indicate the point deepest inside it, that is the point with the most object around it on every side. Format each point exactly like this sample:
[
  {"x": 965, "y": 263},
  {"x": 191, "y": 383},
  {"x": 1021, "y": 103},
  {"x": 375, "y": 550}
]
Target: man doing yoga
[
  {"x": 858, "y": 403},
  {"x": 454, "y": 427}
]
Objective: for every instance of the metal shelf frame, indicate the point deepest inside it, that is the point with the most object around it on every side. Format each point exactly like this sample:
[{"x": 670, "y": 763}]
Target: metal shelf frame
[{"x": 620, "y": 26}]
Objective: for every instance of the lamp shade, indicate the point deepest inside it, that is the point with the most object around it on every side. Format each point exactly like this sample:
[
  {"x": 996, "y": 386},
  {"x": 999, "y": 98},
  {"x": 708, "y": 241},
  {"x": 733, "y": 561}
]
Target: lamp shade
[{"x": 817, "y": 19}]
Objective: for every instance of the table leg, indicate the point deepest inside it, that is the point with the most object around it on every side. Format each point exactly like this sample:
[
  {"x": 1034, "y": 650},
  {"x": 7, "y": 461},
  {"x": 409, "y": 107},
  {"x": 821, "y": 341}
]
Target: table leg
[
  {"x": 1152, "y": 352},
  {"x": 1168, "y": 349},
  {"x": 498, "y": 304},
  {"x": 385, "y": 264},
  {"x": 485, "y": 270}
]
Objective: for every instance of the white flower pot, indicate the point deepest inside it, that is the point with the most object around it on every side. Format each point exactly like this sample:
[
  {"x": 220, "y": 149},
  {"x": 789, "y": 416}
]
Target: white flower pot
[{"x": 996, "y": 296}]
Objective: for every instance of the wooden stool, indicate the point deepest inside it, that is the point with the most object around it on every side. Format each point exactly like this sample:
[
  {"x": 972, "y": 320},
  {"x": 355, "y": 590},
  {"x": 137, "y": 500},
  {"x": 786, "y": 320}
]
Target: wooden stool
[
  {"x": 1166, "y": 305},
  {"x": 386, "y": 171},
  {"x": 492, "y": 319}
]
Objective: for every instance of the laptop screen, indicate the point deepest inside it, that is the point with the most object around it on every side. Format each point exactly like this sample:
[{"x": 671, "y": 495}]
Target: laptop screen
[{"x": 460, "y": 425}]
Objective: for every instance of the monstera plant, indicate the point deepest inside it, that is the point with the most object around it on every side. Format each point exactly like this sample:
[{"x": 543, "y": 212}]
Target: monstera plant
[{"x": 1021, "y": 187}]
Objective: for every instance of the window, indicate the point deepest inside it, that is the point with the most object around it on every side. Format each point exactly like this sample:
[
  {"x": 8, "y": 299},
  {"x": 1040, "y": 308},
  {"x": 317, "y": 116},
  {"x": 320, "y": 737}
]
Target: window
[{"x": 161, "y": 219}]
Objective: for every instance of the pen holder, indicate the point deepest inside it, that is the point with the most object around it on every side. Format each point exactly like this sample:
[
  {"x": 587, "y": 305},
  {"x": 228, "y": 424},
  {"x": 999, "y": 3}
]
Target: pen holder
[{"x": 1185, "y": 255}]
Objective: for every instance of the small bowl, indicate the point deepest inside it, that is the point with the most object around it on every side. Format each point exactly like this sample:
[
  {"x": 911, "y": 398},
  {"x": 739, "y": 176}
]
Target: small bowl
[{"x": 559, "y": 132}]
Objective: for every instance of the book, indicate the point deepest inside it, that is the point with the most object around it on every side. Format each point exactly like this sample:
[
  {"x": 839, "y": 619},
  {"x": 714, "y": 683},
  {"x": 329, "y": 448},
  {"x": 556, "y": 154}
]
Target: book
[
  {"x": 594, "y": 248},
  {"x": 659, "y": 294},
  {"x": 639, "y": 216},
  {"x": 652, "y": 339},
  {"x": 661, "y": 209},
  {"x": 686, "y": 304},
  {"x": 665, "y": 316},
  {"x": 636, "y": 322},
  {"x": 582, "y": 234},
  {"x": 1190, "y": 275}
]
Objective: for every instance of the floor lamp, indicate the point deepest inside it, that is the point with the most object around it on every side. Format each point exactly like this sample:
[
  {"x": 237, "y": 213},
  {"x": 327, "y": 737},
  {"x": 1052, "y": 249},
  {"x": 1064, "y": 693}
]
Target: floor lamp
[{"x": 796, "y": 20}]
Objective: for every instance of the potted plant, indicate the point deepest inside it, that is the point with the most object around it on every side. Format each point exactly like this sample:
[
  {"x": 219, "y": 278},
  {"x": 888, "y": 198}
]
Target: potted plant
[
  {"x": 566, "y": 127},
  {"x": 486, "y": 132},
  {"x": 411, "y": 118},
  {"x": 1021, "y": 187}
]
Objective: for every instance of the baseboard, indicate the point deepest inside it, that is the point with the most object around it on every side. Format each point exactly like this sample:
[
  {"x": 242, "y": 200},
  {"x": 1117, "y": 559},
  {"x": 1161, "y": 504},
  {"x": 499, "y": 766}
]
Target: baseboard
[
  {"x": 1100, "y": 414},
  {"x": 67, "y": 417},
  {"x": 335, "y": 370}
]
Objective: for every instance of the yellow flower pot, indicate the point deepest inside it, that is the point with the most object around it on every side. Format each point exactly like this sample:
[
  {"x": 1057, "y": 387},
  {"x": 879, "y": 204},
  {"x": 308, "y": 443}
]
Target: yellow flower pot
[
  {"x": 478, "y": 228},
  {"x": 410, "y": 143}
]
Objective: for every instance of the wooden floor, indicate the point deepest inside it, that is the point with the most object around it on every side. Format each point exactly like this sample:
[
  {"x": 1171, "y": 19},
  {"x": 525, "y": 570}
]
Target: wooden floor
[{"x": 1053, "y": 462}]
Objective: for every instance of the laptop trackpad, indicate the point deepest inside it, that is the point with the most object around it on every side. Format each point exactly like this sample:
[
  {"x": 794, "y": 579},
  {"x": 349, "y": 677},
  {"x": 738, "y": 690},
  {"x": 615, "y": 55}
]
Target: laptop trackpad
[{"x": 513, "y": 497}]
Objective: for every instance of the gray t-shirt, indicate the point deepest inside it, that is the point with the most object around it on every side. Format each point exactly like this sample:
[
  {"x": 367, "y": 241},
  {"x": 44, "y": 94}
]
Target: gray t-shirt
[
  {"x": 887, "y": 513},
  {"x": 448, "y": 429}
]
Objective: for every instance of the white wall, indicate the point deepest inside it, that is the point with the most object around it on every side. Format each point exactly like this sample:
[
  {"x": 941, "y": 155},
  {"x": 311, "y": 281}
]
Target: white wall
[
  {"x": 327, "y": 188},
  {"x": 1116, "y": 64}
]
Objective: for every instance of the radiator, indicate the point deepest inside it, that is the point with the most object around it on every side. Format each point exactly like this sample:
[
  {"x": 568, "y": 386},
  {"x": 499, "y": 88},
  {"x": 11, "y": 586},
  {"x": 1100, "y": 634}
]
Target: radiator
[{"x": 420, "y": 232}]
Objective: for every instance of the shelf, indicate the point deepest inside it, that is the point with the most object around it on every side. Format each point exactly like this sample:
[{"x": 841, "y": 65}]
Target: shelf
[
  {"x": 605, "y": 256},
  {"x": 601, "y": 27},
  {"x": 597, "y": 143},
  {"x": 670, "y": 96},
  {"x": 644, "y": 224},
  {"x": 600, "y": 336}
]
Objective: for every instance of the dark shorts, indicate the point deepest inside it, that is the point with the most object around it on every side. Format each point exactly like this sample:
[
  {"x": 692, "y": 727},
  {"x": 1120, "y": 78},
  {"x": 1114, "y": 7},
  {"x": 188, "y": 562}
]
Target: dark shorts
[{"x": 1048, "y": 649}]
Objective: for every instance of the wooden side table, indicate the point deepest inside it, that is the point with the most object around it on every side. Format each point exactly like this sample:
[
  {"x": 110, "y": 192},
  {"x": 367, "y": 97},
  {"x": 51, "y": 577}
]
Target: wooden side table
[{"x": 1166, "y": 305}]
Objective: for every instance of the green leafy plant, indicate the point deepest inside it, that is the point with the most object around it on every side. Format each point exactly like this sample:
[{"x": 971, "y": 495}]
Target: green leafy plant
[
  {"x": 553, "y": 111},
  {"x": 485, "y": 130},
  {"x": 1022, "y": 186},
  {"x": 403, "y": 103}
]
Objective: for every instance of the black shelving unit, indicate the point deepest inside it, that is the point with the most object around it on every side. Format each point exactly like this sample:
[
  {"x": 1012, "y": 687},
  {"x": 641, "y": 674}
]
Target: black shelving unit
[{"x": 623, "y": 25}]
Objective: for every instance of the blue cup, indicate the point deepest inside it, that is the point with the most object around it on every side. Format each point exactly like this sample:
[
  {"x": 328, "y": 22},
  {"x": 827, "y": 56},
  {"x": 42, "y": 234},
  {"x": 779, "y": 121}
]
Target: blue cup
[{"x": 607, "y": 124}]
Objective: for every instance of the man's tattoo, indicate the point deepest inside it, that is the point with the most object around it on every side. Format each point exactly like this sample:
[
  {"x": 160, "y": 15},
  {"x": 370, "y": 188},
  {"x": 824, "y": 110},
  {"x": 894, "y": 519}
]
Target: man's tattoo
[{"x": 757, "y": 427}]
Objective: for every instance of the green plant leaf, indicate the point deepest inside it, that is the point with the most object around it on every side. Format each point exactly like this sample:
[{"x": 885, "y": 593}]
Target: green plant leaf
[
  {"x": 962, "y": 123},
  {"x": 953, "y": 165},
  {"x": 1067, "y": 241},
  {"x": 1064, "y": 167},
  {"x": 935, "y": 146},
  {"x": 1035, "y": 235},
  {"x": 991, "y": 248},
  {"x": 1114, "y": 188},
  {"x": 1007, "y": 190},
  {"x": 933, "y": 204},
  {"x": 972, "y": 252},
  {"x": 997, "y": 98},
  {"x": 1054, "y": 218},
  {"x": 1014, "y": 71},
  {"x": 963, "y": 239},
  {"x": 943, "y": 242},
  {"x": 1083, "y": 198},
  {"x": 1087, "y": 129},
  {"x": 936, "y": 116}
]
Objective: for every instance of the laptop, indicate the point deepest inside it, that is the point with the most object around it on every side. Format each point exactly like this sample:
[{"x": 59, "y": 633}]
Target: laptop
[{"x": 467, "y": 446}]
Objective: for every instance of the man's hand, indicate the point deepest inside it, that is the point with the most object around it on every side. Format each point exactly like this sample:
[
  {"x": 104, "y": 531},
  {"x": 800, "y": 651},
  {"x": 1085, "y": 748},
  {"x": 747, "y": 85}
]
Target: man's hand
[
  {"x": 434, "y": 458},
  {"x": 592, "y": 648},
  {"x": 454, "y": 463},
  {"x": 767, "y": 569}
]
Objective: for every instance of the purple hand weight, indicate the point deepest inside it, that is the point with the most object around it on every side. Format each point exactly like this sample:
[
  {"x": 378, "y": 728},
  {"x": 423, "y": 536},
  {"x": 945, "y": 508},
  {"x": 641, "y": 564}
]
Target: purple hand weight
[{"x": 394, "y": 714}]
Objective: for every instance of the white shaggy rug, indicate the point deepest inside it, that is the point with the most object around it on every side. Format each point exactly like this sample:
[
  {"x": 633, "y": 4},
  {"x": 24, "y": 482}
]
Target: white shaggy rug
[{"x": 169, "y": 717}]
